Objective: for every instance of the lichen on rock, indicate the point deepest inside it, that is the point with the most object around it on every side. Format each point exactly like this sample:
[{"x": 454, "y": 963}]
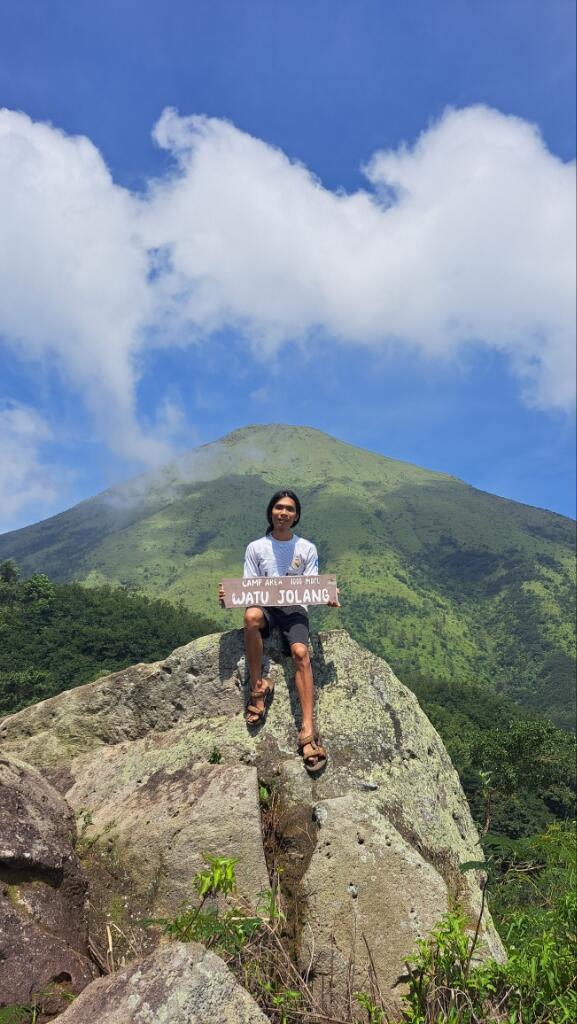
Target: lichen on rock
[
  {"x": 370, "y": 849},
  {"x": 176, "y": 984}
]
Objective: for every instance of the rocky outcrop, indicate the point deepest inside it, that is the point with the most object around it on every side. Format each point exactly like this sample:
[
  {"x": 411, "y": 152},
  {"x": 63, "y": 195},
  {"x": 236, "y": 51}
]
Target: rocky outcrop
[
  {"x": 149, "y": 836},
  {"x": 43, "y": 894},
  {"x": 177, "y": 984},
  {"x": 365, "y": 890},
  {"x": 370, "y": 850}
]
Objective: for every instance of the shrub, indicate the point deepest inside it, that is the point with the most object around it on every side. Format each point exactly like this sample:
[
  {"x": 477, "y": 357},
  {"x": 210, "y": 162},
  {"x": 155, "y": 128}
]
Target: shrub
[{"x": 537, "y": 983}]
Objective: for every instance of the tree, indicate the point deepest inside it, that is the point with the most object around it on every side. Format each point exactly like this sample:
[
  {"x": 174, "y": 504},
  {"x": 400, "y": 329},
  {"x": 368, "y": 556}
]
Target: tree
[
  {"x": 9, "y": 571},
  {"x": 39, "y": 589}
]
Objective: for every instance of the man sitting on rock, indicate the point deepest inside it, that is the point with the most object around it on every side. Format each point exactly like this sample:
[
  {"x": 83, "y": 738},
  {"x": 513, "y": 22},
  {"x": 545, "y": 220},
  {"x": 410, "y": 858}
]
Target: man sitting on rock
[{"x": 282, "y": 553}]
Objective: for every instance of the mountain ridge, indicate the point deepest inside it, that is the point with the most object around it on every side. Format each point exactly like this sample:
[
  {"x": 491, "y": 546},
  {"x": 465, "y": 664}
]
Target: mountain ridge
[
  {"x": 239, "y": 434},
  {"x": 437, "y": 576}
]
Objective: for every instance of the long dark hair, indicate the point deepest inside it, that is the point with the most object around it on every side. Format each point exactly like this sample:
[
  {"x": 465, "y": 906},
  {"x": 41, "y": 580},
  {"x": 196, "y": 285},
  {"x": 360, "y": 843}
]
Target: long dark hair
[{"x": 272, "y": 503}]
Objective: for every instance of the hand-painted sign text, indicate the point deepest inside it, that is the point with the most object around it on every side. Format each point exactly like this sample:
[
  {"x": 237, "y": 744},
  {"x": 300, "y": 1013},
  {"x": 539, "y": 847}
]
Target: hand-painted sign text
[{"x": 279, "y": 591}]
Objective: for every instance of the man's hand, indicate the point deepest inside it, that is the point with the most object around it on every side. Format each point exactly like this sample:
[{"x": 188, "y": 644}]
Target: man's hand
[
  {"x": 335, "y": 604},
  {"x": 221, "y": 595}
]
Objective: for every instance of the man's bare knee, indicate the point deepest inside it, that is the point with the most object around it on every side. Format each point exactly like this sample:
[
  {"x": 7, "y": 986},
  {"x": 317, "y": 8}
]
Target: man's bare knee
[
  {"x": 253, "y": 619},
  {"x": 300, "y": 655}
]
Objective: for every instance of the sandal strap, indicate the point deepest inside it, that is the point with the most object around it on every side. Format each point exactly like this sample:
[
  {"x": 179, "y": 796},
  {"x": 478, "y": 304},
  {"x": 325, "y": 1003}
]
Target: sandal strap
[
  {"x": 305, "y": 740},
  {"x": 312, "y": 740},
  {"x": 318, "y": 751},
  {"x": 262, "y": 693}
]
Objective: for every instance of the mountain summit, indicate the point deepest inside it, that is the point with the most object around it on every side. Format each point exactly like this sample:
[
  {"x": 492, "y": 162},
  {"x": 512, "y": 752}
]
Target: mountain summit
[{"x": 436, "y": 576}]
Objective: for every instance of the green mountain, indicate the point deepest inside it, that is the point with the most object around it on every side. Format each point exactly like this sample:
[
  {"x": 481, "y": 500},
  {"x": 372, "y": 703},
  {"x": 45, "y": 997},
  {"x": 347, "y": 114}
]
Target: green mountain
[{"x": 441, "y": 579}]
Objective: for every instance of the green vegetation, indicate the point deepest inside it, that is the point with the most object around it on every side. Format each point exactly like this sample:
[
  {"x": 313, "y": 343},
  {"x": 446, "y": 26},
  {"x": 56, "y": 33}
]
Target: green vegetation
[
  {"x": 446, "y": 982},
  {"x": 226, "y": 931},
  {"x": 55, "y": 636},
  {"x": 440, "y": 579},
  {"x": 18, "y": 1014},
  {"x": 537, "y": 984},
  {"x": 518, "y": 772},
  {"x": 530, "y": 763},
  {"x": 247, "y": 939},
  {"x": 41, "y": 1006},
  {"x": 375, "y": 1015}
]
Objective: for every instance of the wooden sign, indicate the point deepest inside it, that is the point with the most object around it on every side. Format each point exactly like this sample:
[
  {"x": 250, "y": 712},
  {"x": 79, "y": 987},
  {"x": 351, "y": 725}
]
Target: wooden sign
[{"x": 279, "y": 591}]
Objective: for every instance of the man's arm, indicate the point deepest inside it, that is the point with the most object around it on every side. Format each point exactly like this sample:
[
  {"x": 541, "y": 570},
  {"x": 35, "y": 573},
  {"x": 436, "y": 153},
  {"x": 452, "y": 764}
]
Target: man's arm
[
  {"x": 312, "y": 569},
  {"x": 251, "y": 566},
  {"x": 312, "y": 562}
]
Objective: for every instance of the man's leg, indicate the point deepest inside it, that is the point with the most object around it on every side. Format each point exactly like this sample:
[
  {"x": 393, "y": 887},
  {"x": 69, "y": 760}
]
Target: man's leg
[
  {"x": 314, "y": 754},
  {"x": 304, "y": 687},
  {"x": 254, "y": 621}
]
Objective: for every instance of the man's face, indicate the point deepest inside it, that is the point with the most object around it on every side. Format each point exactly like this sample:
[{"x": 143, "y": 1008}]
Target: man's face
[{"x": 284, "y": 512}]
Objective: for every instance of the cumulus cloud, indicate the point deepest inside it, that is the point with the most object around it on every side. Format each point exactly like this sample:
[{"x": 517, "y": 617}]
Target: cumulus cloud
[
  {"x": 465, "y": 237},
  {"x": 73, "y": 271},
  {"x": 468, "y": 236},
  {"x": 24, "y": 479}
]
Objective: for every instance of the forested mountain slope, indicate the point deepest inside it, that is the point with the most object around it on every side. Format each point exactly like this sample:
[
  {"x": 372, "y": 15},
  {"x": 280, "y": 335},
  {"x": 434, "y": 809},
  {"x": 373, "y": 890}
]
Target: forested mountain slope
[
  {"x": 439, "y": 578},
  {"x": 55, "y": 636}
]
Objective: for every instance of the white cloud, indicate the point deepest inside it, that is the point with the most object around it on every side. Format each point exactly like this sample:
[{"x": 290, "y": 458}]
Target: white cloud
[
  {"x": 25, "y": 481},
  {"x": 73, "y": 272},
  {"x": 466, "y": 237}
]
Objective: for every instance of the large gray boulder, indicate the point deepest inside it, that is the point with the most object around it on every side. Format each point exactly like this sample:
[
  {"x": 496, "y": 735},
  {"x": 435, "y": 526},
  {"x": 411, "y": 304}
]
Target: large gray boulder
[
  {"x": 43, "y": 894},
  {"x": 365, "y": 886},
  {"x": 370, "y": 849},
  {"x": 177, "y": 984},
  {"x": 149, "y": 836}
]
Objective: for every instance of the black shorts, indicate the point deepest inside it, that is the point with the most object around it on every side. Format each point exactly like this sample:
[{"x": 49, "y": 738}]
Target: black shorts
[{"x": 293, "y": 624}]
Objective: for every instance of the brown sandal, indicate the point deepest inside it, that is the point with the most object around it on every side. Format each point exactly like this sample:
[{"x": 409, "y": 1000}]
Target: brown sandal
[
  {"x": 260, "y": 713},
  {"x": 317, "y": 759}
]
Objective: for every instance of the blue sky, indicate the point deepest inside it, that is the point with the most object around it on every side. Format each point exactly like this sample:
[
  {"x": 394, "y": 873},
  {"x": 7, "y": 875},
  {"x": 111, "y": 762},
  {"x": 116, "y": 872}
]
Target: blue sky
[{"x": 329, "y": 245}]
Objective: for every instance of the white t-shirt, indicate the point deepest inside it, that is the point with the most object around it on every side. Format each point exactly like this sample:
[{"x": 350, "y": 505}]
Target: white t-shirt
[{"x": 269, "y": 557}]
